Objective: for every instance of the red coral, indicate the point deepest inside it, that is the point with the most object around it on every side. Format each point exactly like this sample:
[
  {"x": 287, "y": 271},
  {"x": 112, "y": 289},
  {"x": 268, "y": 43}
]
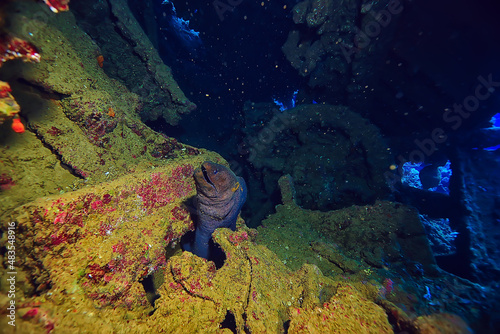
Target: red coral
[
  {"x": 62, "y": 237},
  {"x": 106, "y": 229},
  {"x": 179, "y": 213},
  {"x": 13, "y": 47},
  {"x": 69, "y": 219},
  {"x": 30, "y": 314},
  {"x": 106, "y": 198},
  {"x": 182, "y": 172},
  {"x": 57, "y": 5},
  {"x": 166, "y": 149},
  {"x": 238, "y": 237},
  {"x": 96, "y": 127},
  {"x": 96, "y": 205},
  {"x": 96, "y": 272},
  {"x": 6, "y": 182},
  {"x": 162, "y": 189},
  {"x": 156, "y": 192},
  {"x": 119, "y": 248},
  {"x": 169, "y": 237},
  {"x": 119, "y": 265},
  {"x": 54, "y": 131}
]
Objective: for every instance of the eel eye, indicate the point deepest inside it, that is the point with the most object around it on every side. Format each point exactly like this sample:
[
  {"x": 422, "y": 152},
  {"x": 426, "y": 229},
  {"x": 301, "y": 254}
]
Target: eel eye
[{"x": 215, "y": 171}]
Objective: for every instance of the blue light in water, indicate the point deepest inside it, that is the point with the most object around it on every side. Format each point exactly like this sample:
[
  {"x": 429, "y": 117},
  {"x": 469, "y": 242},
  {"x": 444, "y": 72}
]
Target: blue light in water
[
  {"x": 294, "y": 98},
  {"x": 495, "y": 121},
  {"x": 492, "y": 148},
  {"x": 411, "y": 177},
  {"x": 495, "y": 126},
  {"x": 282, "y": 106},
  {"x": 181, "y": 27}
]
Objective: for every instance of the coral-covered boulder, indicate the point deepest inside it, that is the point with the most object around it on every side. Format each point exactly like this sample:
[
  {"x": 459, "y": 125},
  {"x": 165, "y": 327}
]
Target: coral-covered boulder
[
  {"x": 346, "y": 312},
  {"x": 102, "y": 241}
]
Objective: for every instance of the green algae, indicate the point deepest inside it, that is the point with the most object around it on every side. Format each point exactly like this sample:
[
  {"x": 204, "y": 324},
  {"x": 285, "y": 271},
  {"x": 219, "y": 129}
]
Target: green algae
[{"x": 83, "y": 126}]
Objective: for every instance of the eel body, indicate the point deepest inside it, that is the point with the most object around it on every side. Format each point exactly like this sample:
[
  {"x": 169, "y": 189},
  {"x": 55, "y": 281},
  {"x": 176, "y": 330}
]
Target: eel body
[{"x": 220, "y": 194}]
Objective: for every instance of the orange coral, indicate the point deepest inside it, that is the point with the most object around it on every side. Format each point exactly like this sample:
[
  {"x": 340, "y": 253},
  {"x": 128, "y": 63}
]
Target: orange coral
[
  {"x": 111, "y": 112},
  {"x": 17, "y": 125},
  {"x": 100, "y": 60}
]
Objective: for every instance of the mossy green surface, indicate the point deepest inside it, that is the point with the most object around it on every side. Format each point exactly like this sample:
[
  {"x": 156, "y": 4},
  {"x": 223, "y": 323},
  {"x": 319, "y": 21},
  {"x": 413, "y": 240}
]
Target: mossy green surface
[{"x": 83, "y": 127}]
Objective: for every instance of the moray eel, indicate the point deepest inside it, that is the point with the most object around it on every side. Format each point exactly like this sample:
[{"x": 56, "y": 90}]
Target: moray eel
[{"x": 220, "y": 194}]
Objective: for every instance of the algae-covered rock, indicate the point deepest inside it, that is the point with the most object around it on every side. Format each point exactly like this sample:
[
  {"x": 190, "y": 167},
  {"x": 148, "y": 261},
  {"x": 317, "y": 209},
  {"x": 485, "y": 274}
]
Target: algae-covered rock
[
  {"x": 161, "y": 73},
  {"x": 103, "y": 240},
  {"x": 442, "y": 323},
  {"x": 87, "y": 253},
  {"x": 346, "y": 312},
  {"x": 344, "y": 241},
  {"x": 84, "y": 257},
  {"x": 256, "y": 290},
  {"x": 252, "y": 286},
  {"x": 82, "y": 126}
]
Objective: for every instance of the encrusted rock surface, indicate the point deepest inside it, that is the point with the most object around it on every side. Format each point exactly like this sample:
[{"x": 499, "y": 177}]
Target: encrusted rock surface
[
  {"x": 82, "y": 125},
  {"x": 335, "y": 156}
]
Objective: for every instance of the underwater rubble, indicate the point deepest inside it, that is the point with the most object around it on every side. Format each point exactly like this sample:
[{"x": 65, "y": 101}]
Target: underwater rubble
[{"x": 381, "y": 245}]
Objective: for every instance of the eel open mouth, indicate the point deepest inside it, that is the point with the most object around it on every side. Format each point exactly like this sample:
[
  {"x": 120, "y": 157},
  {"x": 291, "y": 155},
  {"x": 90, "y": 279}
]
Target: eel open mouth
[{"x": 206, "y": 177}]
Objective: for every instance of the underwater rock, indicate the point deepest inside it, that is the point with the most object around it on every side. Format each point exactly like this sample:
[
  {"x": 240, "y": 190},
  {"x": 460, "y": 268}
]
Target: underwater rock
[
  {"x": 346, "y": 312},
  {"x": 82, "y": 126},
  {"x": 161, "y": 72},
  {"x": 335, "y": 256},
  {"x": 102, "y": 241},
  {"x": 443, "y": 323},
  {"x": 88, "y": 251},
  {"x": 83, "y": 257},
  {"x": 254, "y": 287},
  {"x": 382, "y": 244},
  {"x": 132, "y": 59},
  {"x": 315, "y": 51},
  {"x": 392, "y": 235},
  {"x": 335, "y": 157},
  {"x": 287, "y": 190}
]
